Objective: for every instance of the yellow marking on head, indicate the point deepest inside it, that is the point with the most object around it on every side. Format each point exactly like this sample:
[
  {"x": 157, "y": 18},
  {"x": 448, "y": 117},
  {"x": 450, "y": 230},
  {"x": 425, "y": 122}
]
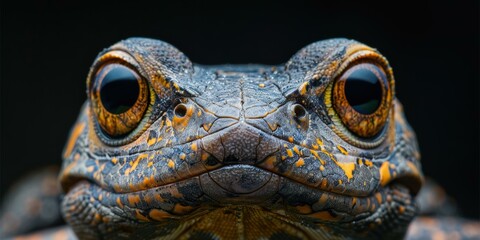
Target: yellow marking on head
[
  {"x": 315, "y": 154},
  {"x": 304, "y": 209},
  {"x": 194, "y": 146},
  {"x": 77, "y": 130},
  {"x": 385, "y": 176},
  {"x": 171, "y": 164},
  {"x": 133, "y": 199},
  {"x": 159, "y": 215},
  {"x": 119, "y": 203},
  {"x": 151, "y": 141},
  {"x": 342, "y": 150},
  {"x": 340, "y": 181},
  {"x": 295, "y": 149},
  {"x": 300, "y": 162},
  {"x": 182, "y": 156},
  {"x": 175, "y": 85},
  {"x": 290, "y": 139},
  {"x": 303, "y": 88},
  {"x": 140, "y": 217},
  {"x": 325, "y": 215},
  {"x": 315, "y": 146},
  {"x": 182, "y": 209},
  {"x": 206, "y": 126},
  {"x": 135, "y": 163},
  {"x": 261, "y": 85},
  {"x": 284, "y": 157},
  {"x": 149, "y": 164},
  {"x": 97, "y": 217},
  {"x": 368, "y": 163},
  {"x": 289, "y": 153},
  {"x": 347, "y": 168},
  {"x": 359, "y": 161},
  {"x": 322, "y": 168},
  {"x": 319, "y": 142}
]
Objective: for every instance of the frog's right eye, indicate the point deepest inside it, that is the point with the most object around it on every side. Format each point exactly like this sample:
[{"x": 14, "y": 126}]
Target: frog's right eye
[{"x": 120, "y": 98}]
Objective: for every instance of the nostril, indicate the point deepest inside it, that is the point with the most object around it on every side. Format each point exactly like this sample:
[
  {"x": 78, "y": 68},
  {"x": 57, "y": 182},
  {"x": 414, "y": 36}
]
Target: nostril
[
  {"x": 180, "y": 110},
  {"x": 299, "y": 111}
]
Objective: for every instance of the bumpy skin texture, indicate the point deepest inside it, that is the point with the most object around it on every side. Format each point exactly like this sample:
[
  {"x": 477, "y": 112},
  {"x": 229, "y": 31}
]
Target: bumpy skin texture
[{"x": 239, "y": 164}]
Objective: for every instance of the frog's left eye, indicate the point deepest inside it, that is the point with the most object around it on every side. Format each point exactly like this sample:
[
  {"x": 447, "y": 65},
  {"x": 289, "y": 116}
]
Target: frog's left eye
[
  {"x": 119, "y": 98},
  {"x": 362, "y": 98}
]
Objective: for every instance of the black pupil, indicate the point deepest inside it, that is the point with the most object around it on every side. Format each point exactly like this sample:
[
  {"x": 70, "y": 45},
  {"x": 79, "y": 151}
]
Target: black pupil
[
  {"x": 119, "y": 89},
  {"x": 363, "y": 91}
]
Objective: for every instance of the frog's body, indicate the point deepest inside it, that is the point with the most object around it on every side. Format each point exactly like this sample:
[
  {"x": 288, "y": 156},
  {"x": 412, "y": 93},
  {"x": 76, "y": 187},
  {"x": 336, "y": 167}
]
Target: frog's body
[{"x": 239, "y": 151}]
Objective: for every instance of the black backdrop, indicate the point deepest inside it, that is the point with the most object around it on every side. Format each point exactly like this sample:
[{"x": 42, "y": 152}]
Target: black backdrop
[{"x": 48, "y": 46}]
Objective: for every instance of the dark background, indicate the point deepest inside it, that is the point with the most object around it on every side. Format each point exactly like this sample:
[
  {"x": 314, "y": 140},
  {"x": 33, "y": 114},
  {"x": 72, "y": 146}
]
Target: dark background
[{"x": 47, "y": 48}]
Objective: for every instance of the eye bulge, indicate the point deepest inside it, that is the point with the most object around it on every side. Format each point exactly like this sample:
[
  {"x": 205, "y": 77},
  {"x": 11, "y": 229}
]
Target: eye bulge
[
  {"x": 119, "y": 98},
  {"x": 361, "y": 98}
]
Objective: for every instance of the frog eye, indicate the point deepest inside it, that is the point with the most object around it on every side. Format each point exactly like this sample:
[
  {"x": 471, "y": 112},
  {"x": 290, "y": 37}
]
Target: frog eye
[
  {"x": 120, "y": 98},
  {"x": 362, "y": 98}
]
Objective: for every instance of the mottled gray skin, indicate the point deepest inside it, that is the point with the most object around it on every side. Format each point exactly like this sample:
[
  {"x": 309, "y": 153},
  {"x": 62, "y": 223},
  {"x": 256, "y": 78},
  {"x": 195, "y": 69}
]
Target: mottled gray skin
[{"x": 242, "y": 150}]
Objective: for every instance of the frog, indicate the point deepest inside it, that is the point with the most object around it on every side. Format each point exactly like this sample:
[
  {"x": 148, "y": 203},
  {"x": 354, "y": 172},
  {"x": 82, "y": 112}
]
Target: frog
[{"x": 316, "y": 148}]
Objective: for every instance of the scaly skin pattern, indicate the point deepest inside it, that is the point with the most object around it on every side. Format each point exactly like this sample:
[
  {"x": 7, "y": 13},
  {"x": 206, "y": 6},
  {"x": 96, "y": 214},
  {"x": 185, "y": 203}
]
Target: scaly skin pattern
[{"x": 240, "y": 162}]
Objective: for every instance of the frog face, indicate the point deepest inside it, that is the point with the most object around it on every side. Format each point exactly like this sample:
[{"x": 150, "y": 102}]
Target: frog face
[{"x": 315, "y": 148}]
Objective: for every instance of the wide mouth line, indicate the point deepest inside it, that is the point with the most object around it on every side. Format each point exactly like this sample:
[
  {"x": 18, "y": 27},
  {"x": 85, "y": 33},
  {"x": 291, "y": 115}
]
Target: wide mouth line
[{"x": 92, "y": 181}]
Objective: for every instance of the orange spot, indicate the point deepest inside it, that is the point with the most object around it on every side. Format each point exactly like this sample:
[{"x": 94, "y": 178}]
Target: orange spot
[
  {"x": 151, "y": 141},
  {"x": 324, "y": 183},
  {"x": 289, "y": 153},
  {"x": 205, "y": 156},
  {"x": 90, "y": 169},
  {"x": 340, "y": 181},
  {"x": 290, "y": 139},
  {"x": 385, "y": 173},
  {"x": 114, "y": 160},
  {"x": 133, "y": 199},
  {"x": 378, "y": 196},
  {"x": 135, "y": 163},
  {"x": 119, "y": 202},
  {"x": 77, "y": 130},
  {"x": 401, "y": 209},
  {"x": 295, "y": 149},
  {"x": 300, "y": 162},
  {"x": 149, "y": 164},
  {"x": 368, "y": 163},
  {"x": 303, "y": 88},
  {"x": 194, "y": 147},
  {"x": 182, "y": 156},
  {"x": 314, "y": 146},
  {"x": 342, "y": 150},
  {"x": 140, "y": 217},
  {"x": 199, "y": 113},
  {"x": 159, "y": 215},
  {"x": 347, "y": 168},
  {"x": 261, "y": 85},
  {"x": 171, "y": 164},
  {"x": 319, "y": 142},
  {"x": 181, "y": 209},
  {"x": 322, "y": 168},
  {"x": 270, "y": 162}
]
